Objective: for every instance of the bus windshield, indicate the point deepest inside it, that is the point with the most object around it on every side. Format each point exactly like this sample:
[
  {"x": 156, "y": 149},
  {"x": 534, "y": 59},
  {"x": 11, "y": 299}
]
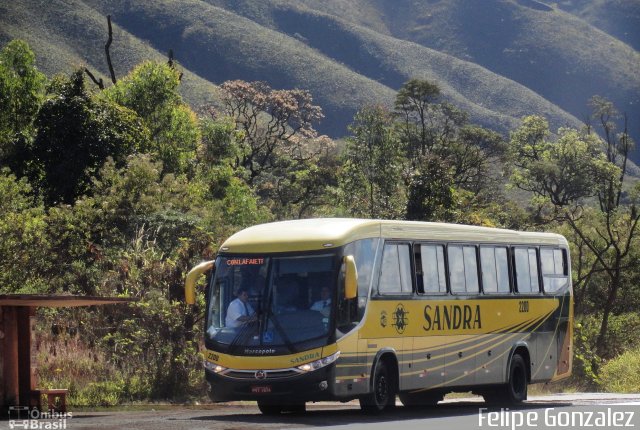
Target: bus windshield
[{"x": 271, "y": 301}]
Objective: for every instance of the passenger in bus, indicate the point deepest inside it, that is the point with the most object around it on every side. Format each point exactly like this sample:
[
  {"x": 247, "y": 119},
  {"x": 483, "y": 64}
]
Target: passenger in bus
[
  {"x": 324, "y": 304},
  {"x": 240, "y": 311},
  {"x": 287, "y": 290}
]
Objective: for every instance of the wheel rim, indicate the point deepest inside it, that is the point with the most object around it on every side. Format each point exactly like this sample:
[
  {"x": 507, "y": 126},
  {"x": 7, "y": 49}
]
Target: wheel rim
[{"x": 382, "y": 390}]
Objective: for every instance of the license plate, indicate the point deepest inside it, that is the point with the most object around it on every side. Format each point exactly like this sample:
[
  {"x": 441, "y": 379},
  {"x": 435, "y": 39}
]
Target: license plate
[{"x": 261, "y": 389}]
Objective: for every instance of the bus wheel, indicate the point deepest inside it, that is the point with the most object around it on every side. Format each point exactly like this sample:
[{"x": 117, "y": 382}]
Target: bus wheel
[
  {"x": 269, "y": 408},
  {"x": 515, "y": 390},
  {"x": 412, "y": 400},
  {"x": 383, "y": 395},
  {"x": 517, "y": 386}
]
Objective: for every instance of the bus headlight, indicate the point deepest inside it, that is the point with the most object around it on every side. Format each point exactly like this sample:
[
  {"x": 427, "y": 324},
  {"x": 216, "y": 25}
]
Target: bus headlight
[
  {"x": 315, "y": 365},
  {"x": 215, "y": 368}
]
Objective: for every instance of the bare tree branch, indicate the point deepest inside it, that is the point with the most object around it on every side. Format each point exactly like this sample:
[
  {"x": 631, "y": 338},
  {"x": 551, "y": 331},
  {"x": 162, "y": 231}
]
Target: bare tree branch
[
  {"x": 106, "y": 50},
  {"x": 99, "y": 83}
]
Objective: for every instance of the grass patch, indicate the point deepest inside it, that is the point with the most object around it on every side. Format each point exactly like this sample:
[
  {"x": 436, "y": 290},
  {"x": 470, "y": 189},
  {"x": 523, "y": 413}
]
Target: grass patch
[
  {"x": 65, "y": 361},
  {"x": 622, "y": 374}
]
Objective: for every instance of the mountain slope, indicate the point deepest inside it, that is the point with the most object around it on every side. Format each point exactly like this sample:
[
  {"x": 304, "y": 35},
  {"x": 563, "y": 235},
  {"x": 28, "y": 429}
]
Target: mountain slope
[
  {"x": 490, "y": 99},
  {"x": 220, "y": 45},
  {"x": 559, "y": 56},
  {"x": 556, "y": 54},
  {"x": 497, "y": 59},
  {"x": 69, "y": 34},
  {"x": 619, "y": 18},
  {"x": 364, "y": 67}
]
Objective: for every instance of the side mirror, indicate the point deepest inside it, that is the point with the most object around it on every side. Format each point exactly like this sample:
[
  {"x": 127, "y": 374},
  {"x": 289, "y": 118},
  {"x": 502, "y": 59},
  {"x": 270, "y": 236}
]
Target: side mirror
[
  {"x": 350, "y": 278},
  {"x": 192, "y": 278}
]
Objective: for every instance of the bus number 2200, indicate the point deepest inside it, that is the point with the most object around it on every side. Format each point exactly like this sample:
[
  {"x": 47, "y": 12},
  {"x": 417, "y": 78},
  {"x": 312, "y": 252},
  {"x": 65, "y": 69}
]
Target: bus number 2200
[{"x": 523, "y": 306}]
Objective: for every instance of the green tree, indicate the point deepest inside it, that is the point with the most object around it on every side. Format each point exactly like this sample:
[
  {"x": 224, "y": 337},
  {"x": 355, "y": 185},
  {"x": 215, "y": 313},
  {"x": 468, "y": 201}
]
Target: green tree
[
  {"x": 431, "y": 192},
  {"x": 151, "y": 90},
  {"x": 278, "y": 152},
  {"x": 562, "y": 174},
  {"x": 21, "y": 93},
  {"x": 415, "y": 104},
  {"x": 24, "y": 245},
  {"x": 148, "y": 229},
  {"x": 442, "y": 146},
  {"x": 76, "y": 132},
  {"x": 127, "y": 197},
  {"x": 306, "y": 186},
  {"x": 474, "y": 155},
  {"x": 273, "y": 123},
  {"x": 217, "y": 180},
  {"x": 219, "y": 140},
  {"x": 371, "y": 180}
]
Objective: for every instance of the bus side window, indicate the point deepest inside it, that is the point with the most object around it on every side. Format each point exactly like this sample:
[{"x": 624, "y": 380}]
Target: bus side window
[
  {"x": 431, "y": 275},
  {"x": 395, "y": 274},
  {"x": 495, "y": 269},
  {"x": 463, "y": 269},
  {"x": 554, "y": 269},
  {"x": 526, "y": 265}
]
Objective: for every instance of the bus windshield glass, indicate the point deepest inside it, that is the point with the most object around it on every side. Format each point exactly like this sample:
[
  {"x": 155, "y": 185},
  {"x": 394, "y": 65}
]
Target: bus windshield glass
[{"x": 271, "y": 301}]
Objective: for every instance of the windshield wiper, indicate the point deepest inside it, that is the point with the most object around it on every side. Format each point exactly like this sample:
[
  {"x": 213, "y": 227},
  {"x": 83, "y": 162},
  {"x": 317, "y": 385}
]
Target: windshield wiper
[
  {"x": 244, "y": 333},
  {"x": 268, "y": 314},
  {"x": 271, "y": 316}
]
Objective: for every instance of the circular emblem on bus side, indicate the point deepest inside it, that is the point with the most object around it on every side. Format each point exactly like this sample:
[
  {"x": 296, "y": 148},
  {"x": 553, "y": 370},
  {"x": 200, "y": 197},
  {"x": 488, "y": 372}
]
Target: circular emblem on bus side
[
  {"x": 260, "y": 374},
  {"x": 400, "y": 318}
]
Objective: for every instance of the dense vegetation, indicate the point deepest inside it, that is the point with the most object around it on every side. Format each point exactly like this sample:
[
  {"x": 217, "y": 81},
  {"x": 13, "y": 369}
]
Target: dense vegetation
[{"x": 120, "y": 190}]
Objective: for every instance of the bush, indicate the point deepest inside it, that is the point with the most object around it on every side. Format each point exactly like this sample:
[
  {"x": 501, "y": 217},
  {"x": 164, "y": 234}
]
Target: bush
[
  {"x": 586, "y": 360},
  {"x": 623, "y": 333},
  {"x": 622, "y": 374},
  {"x": 621, "y": 337}
]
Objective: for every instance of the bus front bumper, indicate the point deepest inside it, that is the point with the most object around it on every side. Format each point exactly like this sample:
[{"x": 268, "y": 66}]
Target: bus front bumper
[{"x": 312, "y": 386}]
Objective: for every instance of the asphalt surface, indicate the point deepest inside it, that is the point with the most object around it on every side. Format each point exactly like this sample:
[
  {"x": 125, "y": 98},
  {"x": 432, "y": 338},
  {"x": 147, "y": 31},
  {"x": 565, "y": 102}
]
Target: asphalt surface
[{"x": 540, "y": 412}]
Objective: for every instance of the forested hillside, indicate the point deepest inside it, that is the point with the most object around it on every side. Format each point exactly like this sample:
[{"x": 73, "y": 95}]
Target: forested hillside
[
  {"x": 116, "y": 184},
  {"x": 498, "y": 59}
]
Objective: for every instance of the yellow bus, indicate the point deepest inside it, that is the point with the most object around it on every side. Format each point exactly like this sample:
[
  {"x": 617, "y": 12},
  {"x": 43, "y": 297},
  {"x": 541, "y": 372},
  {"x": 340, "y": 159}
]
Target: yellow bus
[{"x": 343, "y": 309}]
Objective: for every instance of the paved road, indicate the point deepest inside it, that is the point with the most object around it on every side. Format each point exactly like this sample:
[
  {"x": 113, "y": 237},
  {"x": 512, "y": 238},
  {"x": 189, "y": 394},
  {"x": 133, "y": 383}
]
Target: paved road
[{"x": 541, "y": 411}]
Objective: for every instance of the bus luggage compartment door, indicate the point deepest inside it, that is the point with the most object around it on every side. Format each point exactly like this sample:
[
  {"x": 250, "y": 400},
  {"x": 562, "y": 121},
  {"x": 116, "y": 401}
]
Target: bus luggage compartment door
[{"x": 427, "y": 368}]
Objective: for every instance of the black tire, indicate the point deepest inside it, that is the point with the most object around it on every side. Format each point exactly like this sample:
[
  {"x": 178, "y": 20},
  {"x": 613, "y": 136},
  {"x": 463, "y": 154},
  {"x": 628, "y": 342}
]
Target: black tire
[
  {"x": 420, "y": 400},
  {"x": 269, "y": 408},
  {"x": 383, "y": 395},
  {"x": 517, "y": 385},
  {"x": 515, "y": 390}
]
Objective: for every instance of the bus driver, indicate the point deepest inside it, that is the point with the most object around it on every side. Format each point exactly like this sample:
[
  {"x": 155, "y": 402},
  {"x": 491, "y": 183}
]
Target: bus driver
[{"x": 240, "y": 311}]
